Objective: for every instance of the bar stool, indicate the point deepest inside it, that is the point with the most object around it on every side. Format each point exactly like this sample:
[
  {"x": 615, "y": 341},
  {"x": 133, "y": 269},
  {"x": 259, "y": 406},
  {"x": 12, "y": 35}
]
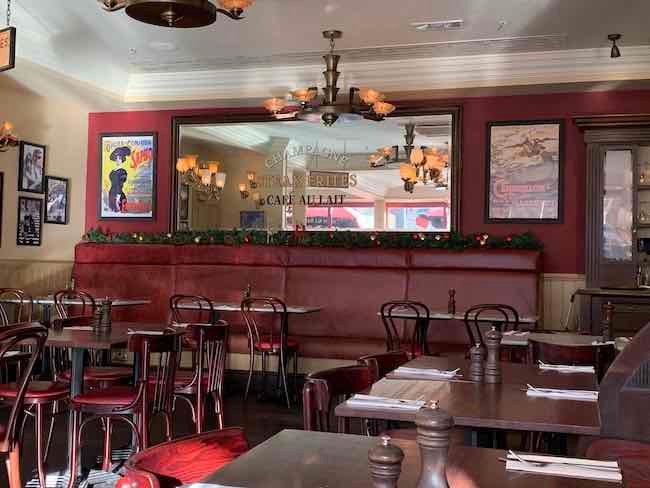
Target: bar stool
[
  {"x": 266, "y": 341},
  {"x": 32, "y": 336},
  {"x": 142, "y": 401},
  {"x": 420, "y": 315}
]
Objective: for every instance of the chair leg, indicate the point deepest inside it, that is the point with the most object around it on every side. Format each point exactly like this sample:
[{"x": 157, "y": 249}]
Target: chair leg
[
  {"x": 108, "y": 459},
  {"x": 295, "y": 375},
  {"x": 200, "y": 414},
  {"x": 40, "y": 456},
  {"x": 283, "y": 373},
  {"x": 265, "y": 359},
  {"x": 74, "y": 449},
  {"x": 169, "y": 432},
  {"x": 55, "y": 409},
  {"x": 218, "y": 407},
  {"x": 13, "y": 468},
  {"x": 251, "y": 366}
]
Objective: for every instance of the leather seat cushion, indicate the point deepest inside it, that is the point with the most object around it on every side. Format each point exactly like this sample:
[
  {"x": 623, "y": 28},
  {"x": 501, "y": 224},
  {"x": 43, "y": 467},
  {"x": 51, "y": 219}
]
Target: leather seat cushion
[
  {"x": 37, "y": 390},
  {"x": 275, "y": 345},
  {"x": 108, "y": 373},
  {"x": 112, "y": 396}
]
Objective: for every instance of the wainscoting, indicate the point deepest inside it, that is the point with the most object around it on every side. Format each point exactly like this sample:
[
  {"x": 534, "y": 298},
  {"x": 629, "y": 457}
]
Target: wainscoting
[
  {"x": 35, "y": 277},
  {"x": 557, "y": 289}
]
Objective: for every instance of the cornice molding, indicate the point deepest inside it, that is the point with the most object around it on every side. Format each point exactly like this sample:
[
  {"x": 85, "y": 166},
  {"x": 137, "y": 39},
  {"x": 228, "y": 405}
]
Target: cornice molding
[{"x": 494, "y": 70}]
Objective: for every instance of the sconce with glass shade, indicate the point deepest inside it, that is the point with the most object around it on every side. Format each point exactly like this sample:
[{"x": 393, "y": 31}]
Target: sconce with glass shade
[
  {"x": 7, "y": 138},
  {"x": 251, "y": 179},
  {"x": 205, "y": 178},
  {"x": 409, "y": 176},
  {"x": 243, "y": 191}
]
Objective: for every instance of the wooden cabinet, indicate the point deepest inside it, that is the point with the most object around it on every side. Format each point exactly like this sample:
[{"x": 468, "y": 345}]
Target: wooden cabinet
[{"x": 618, "y": 213}]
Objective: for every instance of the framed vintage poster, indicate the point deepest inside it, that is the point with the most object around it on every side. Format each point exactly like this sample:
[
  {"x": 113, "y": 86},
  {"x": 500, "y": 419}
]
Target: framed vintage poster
[
  {"x": 31, "y": 167},
  {"x": 127, "y": 172},
  {"x": 524, "y": 171},
  {"x": 254, "y": 219},
  {"x": 56, "y": 200},
  {"x": 30, "y": 212},
  {"x": 7, "y": 48}
]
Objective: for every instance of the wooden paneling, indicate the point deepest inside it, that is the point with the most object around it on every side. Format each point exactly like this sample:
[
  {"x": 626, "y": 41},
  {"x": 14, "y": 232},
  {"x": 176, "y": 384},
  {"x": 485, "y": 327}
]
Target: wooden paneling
[
  {"x": 35, "y": 277},
  {"x": 556, "y": 298}
]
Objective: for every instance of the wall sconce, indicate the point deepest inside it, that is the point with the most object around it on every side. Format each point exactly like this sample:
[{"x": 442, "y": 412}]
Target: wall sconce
[
  {"x": 7, "y": 138},
  {"x": 259, "y": 201},
  {"x": 242, "y": 191},
  {"x": 251, "y": 180}
]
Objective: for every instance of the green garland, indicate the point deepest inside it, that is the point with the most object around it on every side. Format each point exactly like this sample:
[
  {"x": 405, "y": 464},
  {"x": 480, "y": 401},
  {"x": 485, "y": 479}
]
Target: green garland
[{"x": 344, "y": 239}]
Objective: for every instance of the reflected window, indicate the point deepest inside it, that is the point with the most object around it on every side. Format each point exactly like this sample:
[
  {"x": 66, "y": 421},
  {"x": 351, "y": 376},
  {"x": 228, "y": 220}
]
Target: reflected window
[
  {"x": 432, "y": 217},
  {"x": 618, "y": 206},
  {"x": 359, "y": 217}
]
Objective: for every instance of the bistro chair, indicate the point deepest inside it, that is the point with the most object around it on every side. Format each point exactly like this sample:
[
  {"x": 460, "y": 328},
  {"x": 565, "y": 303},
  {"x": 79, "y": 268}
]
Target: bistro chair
[
  {"x": 483, "y": 313},
  {"x": 206, "y": 378},
  {"x": 419, "y": 314},
  {"x": 632, "y": 456},
  {"x": 200, "y": 310},
  {"x": 23, "y": 306},
  {"x": 384, "y": 363},
  {"x": 183, "y": 461},
  {"x": 142, "y": 401},
  {"x": 326, "y": 389},
  {"x": 32, "y": 336},
  {"x": 85, "y": 307},
  {"x": 598, "y": 356},
  {"x": 268, "y": 337}
]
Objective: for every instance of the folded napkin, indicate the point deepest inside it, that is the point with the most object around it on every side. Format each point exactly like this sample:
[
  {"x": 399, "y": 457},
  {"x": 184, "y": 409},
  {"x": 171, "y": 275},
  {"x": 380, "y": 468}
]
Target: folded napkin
[
  {"x": 603, "y": 343},
  {"x": 578, "y": 395},
  {"x": 369, "y": 401},
  {"x": 517, "y": 333},
  {"x": 79, "y": 327},
  {"x": 565, "y": 467},
  {"x": 566, "y": 368},
  {"x": 426, "y": 373},
  {"x": 146, "y": 332}
]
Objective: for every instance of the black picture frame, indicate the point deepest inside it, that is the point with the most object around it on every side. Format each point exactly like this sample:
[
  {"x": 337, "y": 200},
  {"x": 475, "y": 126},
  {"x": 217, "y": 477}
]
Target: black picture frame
[
  {"x": 29, "y": 233},
  {"x": 51, "y": 216},
  {"x": 101, "y": 215},
  {"x": 12, "y": 48},
  {"x": 28, "y": 149},
  {"x": 488, "y": 215}
]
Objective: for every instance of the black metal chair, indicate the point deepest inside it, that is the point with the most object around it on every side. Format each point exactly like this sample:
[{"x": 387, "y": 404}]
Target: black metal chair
[
  {"x": 22, "y": 304},
  {"x": 506, "y": 319},
  {"x": 404, "y": 311}
]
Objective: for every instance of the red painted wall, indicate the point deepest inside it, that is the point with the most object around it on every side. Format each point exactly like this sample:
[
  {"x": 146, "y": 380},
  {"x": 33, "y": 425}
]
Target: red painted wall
[{"x": 564, "y": 243}]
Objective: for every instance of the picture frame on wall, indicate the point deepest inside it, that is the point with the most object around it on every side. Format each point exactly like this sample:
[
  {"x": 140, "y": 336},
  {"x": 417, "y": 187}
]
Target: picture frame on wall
[
  {"x": 127, "y": 176},
  {"x": 524, "y": 171},
  {"x": 56, "y": 200},
  {"x": 31, "y": 167},
  {"x": 7, "y": 48},
  {"x": 253, "y": 219},
  {"x": 28, "y": 225}
]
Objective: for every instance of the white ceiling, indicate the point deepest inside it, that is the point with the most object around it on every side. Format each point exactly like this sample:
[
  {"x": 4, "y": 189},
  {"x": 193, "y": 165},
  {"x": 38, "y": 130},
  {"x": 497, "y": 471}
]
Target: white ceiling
[{"x": 139, "y": 62}]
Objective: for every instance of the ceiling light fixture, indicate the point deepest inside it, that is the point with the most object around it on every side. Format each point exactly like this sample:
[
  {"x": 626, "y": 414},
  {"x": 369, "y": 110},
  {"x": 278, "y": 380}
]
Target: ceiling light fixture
[
  {"x": 178, "y": 13},
  {"x": 616, "y": 52},
  {"x": 205, "y": 178},
  {"x": 365, "y": 102}
]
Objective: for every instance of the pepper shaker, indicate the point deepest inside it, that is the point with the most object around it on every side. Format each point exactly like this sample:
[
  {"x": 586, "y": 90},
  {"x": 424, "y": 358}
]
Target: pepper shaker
[
  {"x": 434, "y": 430},
  {"x": 493, "y": 365},
  {"x": 477, "y": 363},
  {"x": 385, "y": 463},
  {"x": 451, "y": 305}
]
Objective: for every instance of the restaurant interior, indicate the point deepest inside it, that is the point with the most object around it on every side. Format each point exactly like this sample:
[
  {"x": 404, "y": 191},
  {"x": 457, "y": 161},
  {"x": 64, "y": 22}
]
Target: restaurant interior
[{"x": 318, "y": 243}]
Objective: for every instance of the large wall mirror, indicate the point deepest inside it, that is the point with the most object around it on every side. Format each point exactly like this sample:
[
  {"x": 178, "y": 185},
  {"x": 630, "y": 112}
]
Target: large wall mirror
[{"x": 401, "y": 174}]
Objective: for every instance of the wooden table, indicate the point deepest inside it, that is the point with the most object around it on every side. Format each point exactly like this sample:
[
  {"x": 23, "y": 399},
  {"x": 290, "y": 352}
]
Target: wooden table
[
  {"x": 236, "y": 307},
  {"x": 298, "y": 459},
  {"x": 502, "y": 406},
  {"x": 513, "y": 373},
  {"x": 560, "y": 338}
]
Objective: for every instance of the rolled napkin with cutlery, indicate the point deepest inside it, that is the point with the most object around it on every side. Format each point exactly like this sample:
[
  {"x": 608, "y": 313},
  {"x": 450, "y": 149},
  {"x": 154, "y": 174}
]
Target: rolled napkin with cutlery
[
  {"x": 148, "y": 332},
  {"x": 566, "y": 368},
  {"x": 563, "y": 466},
  {"x": 369, "y": 401},
  {"x": 578, "y": 395},
  {"x": 425, "y": 373},
  {"x": 80, "y": 327}
]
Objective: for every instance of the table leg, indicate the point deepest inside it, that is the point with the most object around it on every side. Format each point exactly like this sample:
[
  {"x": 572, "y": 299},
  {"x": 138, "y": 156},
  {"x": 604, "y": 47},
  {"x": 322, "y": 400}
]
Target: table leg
[
  {"x": 46, "y": 312},
  {"x": 422, "y": 333},
  {"x": 76, "y": 388}
]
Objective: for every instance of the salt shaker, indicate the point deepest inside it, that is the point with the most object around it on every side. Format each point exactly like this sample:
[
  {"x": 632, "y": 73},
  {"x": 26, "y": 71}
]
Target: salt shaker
[
  {"x": 434, "y": 430},
  {"x": 493, "y": 365},
  {"x": 385, "y": 463},
  {"x": 477, "y": 363}
]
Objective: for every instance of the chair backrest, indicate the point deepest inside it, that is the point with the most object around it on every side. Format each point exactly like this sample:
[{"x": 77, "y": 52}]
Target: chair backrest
[
  {"x": 325, "y": 389},
  {"x": 33, "y": 337},
  {"x": 417, "y": 310},
  {"x": 258, "y": 328},
  {"x": 60, "y": 357},
  {"x": 199, "y": 309},
  {"x": 22, "y": 304},
  {"x": 384, "y": 363},
  {"x": 84, "y": 303},
  {"x": 210, "y": 350},
  {"x": 579, "y": 355},
  {"x": 183, "y": 461},
  {"x": 482, "y": 313},
  {"x": 158, "y": 370}
]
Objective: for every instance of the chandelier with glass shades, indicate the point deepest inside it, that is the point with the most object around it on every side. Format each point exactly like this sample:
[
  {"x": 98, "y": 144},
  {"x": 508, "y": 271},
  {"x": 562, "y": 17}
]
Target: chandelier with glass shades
[
  {"x": 178, "y": 13},
  {"x": 204, "y": 177},
  {"x": 421, "y": 164},
  {"x": 362, "y": 103}
]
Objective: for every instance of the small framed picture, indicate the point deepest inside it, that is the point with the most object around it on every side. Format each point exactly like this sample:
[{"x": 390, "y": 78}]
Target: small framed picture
[
  {"x": 56, "y": 200},
  {"x": 7, "y": 48},
  {"x": 255, "y": 219},
  {"x": 30, "y": 212},
  {"x": 31, "y": 167}
]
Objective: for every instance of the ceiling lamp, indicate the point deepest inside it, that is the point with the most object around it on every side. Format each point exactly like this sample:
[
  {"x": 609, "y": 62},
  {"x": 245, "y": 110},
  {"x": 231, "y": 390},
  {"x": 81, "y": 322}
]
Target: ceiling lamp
[
  {"x": 205, "y": 178},
  {"x": 366, "y": 102},
  {"x": 616, "y": 52},
  {"x": 178, "y": 13},
  {"x": 7, "y": 138}
]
